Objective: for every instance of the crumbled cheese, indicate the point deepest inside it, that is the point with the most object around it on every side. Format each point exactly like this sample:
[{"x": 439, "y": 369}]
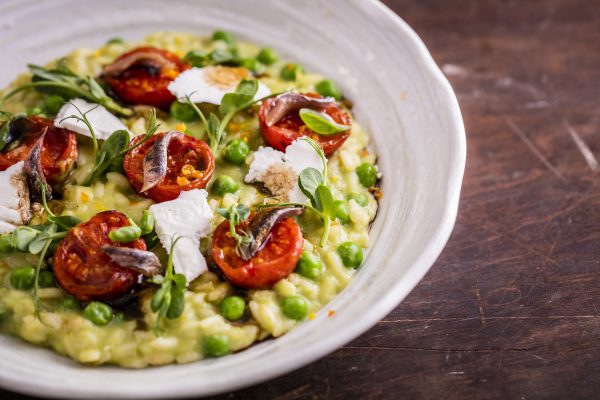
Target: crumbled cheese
[
  {"x": 103, "y": 122},
  {"x": 211, "y": 84},
  {"x": 14, "y": 198},
  {"x": 278, "y": 172},
  {"x": 190, "y": 217}
]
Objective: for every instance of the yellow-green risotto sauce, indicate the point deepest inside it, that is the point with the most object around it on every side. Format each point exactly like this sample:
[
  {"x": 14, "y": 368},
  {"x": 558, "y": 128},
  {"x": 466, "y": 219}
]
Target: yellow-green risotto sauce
[{"x": 131, "y": 340}]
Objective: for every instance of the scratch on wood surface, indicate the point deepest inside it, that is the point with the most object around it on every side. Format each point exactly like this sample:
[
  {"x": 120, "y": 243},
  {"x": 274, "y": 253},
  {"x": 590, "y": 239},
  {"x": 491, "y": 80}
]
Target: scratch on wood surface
[
  {"x": 586, "y": 152},
  {"x": 480, "y": 304},
  {"x": 534, "y": 105},
  {"x": 433, "y": 350},
  {"x": 534, "y": 149},
  {"x": 508, "y": 82},
  {"x": 548, "y": 317}
]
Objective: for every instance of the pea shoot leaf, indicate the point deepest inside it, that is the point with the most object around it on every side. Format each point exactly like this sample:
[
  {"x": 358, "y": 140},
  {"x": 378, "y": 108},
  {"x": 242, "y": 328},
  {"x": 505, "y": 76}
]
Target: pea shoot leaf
[
  {"x": 308, "y": 180},
  {"x": 321, "y": 122},
  {"x": 241, "y": 98},
  {"x": 324, "y": 201},
  {"x": 63, "y": 82},
  {"x": 110, "y": 152}
]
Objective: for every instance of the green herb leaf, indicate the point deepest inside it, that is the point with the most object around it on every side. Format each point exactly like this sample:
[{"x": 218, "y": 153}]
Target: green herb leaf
[
  {"x": 24, "y": 235},
  {"x": 241, "y": 98},
  {"x": 180, "y": 281},
  {"x": 95, "y": 88},
  {"x": 308, "y": 180},
  {"x": 177, "y": 303},
  {"x": 65, "y": 222},
  {"x": 63, "y": 82},
  {"x": 159, "y": 295},
  {"x": 7, "y": 121},
  {"x": 324, "y": 201},
  {"x": 321, "y": 122},
  {"x": 110, "y": 152}
]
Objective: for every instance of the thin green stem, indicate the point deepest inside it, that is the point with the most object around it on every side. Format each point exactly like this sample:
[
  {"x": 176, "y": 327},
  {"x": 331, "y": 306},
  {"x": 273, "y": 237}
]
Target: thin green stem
[
  {"x": 36, "y": 285},
  {"x": 326, "y": 227},
  {"x": 45, "y": 202}
]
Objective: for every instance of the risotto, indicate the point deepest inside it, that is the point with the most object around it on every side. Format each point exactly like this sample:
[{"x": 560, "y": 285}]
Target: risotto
[{"x": 179, "y": 198}]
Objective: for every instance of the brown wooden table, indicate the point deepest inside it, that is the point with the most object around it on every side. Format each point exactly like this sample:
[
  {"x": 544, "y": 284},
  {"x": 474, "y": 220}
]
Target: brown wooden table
[{"x": 510, "y": 308}]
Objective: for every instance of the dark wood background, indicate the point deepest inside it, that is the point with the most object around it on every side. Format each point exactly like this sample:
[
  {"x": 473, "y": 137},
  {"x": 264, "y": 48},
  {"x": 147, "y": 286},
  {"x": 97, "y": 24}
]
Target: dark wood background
[{"x": 511, "y": 308}]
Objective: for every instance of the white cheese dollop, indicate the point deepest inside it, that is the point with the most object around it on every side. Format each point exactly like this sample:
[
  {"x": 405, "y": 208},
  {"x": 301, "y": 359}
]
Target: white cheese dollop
[
  {"x": 190, "y": 217},
  {"x": 103, "y": 122},
  {"x": 279, "y": 171},
  {"x": 211, "y": 84},
  {"x": 14, "y": 198}
]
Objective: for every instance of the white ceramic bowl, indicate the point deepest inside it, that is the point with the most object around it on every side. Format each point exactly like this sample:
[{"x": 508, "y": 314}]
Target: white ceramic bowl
[{"x": 400, "y": 96}]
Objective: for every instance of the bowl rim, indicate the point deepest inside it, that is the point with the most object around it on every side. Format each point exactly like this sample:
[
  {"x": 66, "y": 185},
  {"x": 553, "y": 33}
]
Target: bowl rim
[{"x": 386, "y": 303}]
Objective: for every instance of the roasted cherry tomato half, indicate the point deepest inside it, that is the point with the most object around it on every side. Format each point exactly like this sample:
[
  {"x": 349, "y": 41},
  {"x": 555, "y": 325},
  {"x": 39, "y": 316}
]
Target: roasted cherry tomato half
[
  {"x": 291, "y": 127},
  {"x": 274, "y": 262},
  {"x": 83, "y": 270},
  {"x": 141, "y": 76},
  {"x": 190, "y": 165},
  {"x": 59, "y": 150}
]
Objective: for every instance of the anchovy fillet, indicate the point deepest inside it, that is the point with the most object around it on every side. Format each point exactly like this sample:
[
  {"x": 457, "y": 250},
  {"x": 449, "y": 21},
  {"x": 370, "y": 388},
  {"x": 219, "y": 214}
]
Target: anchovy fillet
[
  {"x": 155, "y": 161},
  {"x": 289, "y": 102},
  {"x": 261, "y": 226}
]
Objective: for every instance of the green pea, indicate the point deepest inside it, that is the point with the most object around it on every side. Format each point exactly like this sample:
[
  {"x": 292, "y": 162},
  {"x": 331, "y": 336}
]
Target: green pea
[
  {"x": 267, "y": 56},
  {"x": 53, "y": 104},
  {"x": 69, "y": 303},
  {"x": 253, "y": 65},
  {"x": 236, "y": 151},
  {"x": 224, "y": 184},
  {"x": 115, "y": 40},
  {"x": 182, "y": 112},
  {"x": 147, "y": 222},
  {"x": 216, "y": 345},
  {"x": 341, "y": 211},
  {"x": 309, "y": 266},
  {"x": 223, "y": 36},
  {"x": 361, "y": 198},
  {"x": 99, "y": 313},
  {"x": 23, "y": 278},
  {"x": 290, "y": 72},
  {"x": 351, "y": 254},
  {"x": 295, "y": 307},
  {"x": 367, "y": 174},
  {"x": 6, "y": 243},
  {"x": 125, "y": 234},
  {"x": 328, "y": 88},
  {"x": 46, "y": 279},
  {"x": 232, "y": 308}
]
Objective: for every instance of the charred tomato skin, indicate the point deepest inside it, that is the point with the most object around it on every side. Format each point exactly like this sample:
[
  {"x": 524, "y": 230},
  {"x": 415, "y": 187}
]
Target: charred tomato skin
[
  {"x": 84, "y": 271},
  {"x": 181, "y": 151},
  {"x": 140, "y": 85},
  {"x": 274, "y": 262},
  {"x": 59, "y": 150},
  {"x": 291, "y": 127}
]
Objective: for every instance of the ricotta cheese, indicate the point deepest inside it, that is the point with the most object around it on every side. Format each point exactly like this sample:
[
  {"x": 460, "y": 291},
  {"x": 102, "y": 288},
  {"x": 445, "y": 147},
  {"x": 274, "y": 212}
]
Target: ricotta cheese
[
  {"x": 188, "y": 216},
  {"x": 211, "y": 84},
  {"x": 278, "y": 172},
  {"x": 103, "y": 122},
  {"x": 14, "y": 198}
]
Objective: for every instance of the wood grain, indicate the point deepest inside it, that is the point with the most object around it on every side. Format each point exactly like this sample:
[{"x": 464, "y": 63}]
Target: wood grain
[{"x": 511, "y": 309}]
